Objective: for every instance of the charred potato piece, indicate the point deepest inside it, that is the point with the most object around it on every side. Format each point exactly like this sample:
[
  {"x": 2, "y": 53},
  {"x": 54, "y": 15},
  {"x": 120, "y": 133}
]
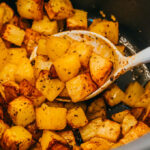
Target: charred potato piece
[
  {"x": 50, "y": 88},
  {"x": 52, "y": 118},
  {"x": 81, "y": 84},
  {"x": 78, "y": 20},
  {"x": 59, "y": 9},
  {"x": 76, "y": 117},
  {"x": 67, "y": 66},
  {"x": 31, "y": 9},
  {"x": 3, "y": 128},
  {"x": 16, "y": 137},
  {"x": 56, "y": 47},
  {"x": 100, "y": 69},
  {"x": 21, "y": 111},
  {"x": 64, "y": 93},
  {"x": 45, "y": 26}
]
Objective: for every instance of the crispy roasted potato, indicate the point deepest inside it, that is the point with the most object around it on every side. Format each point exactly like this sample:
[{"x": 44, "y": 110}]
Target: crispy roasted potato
[
  {"x": 133, "y": 94},
  {"x": 45, "y": 26},
  {"x": 96, "y": 144},
  {"x": 76, "y": 117},
  {"x": 21, "y": 111},
  {"x": 67, "y": 66},
  {"x": 52, "y": 118},
  {"x": 59, "y": 9},
  {"x": 114, "y": 95},
  {"x": 80, "y": 87},
  {"x": 41, "y": 50},
  {"x": 56, "y": 47},
  {"x": 53, "y": 141},
  {"x": 137, "y": 112},
  {"x": 31, "y": 9},
  {"x": 107, "y": 29},
  {"x": 128, "y": 122},
  {"x": 50, "y": 88},
  {"x": 100, "y": 69},
  {"x": 2, "y": 11},
  {"x": 118, "y": 117},
  {"x": 83, "y": 50},
  {"x": 29, "y": 91},
  {"x": 78, "y": 20},
  {"x": 8, "y": 12},
  {"x": 64, "y": 93},
  {"x": 3, "y": 128},
  {"x": 31, "y": 40},
  {"x": 15, "y": 138}
]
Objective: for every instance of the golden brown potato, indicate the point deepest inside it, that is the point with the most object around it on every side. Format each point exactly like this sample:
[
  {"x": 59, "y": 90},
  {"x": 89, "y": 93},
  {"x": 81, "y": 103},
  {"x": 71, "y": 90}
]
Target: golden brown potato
[
  {"x": 15, "y": 138},
  {"x": 11, "y": 90},
  {"x": 67, "y": 66},
  {"x": 41, "y": 50},
  {"x": 13, "y": 34},
  {"x": 137, "y": 112},
  {"x": 59, "y": 9},
  {"x": 78, "y": 20},
  {"x": 49, "y": 140},
  {"x": 118, "y": 117},
  {"x": 147, "y": 87},
  {"x": 97, "y": 144},
  {"x": 107, "y": 29},
  {"x": 29, "y": 91},
  {"x": 52, "y": 118},
  {"x": 21, "y": 111},
  {"x": 31, "y": 9},
  {"x": 114, "y": 95},
  {"x": 56, "y": 47},
  {"x": 146, "y": 116},
  {"x": 24, "y": 71},
  {"x": 68, "y": 136},
  {"x": 128, "y": 122},
  {"x": 8, "y": 12},
  {"x": 80, "y": 87},
  {"x": 83, "y": 50},
  {"x": 3, "y": 128},
  {"x": 100, "y": 69},
  {"x": 64, "y": 93},
  {"x": 50, "y": 88},
  {"x": 55, "y": 104},
  {"x": 31, "y": 40},
  {"x": 45, "y": 26},
  {"x": 2, "y": 11},
  {"x": 76, "y": 117},
  {"x": 133, "y": 94},
  {"x": 96, "y": 109}
]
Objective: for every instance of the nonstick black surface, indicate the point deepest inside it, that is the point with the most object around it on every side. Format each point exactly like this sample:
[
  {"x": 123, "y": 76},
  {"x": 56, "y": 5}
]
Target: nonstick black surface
[{"x": 134, "y": 24}]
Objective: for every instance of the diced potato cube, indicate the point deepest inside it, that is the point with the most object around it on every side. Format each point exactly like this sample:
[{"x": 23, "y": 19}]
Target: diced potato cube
[
  {"x": 147, "y": 87},
  {"x": 121, "y": 48},
  {"x": 21, "y": 111},
  {"x": 3, "y": 128},
  {"x": 11, "y": 90},
  {"x": 97, "y": 144},
  {"x": 31, "y": 9},
  {"x": 68, "y": 136},
  {"x": 137, "y": 112},
  {"x": 8, "y": 12},
  {"x": 80, "y": 87},
  {"x": 41, "y": 50},
  {"x": 100, "y": 69},
  {"x": 107, "y": 29},
  {"x": 118, "y": 117},
  {"x": 50, "y": 88},
  {"x": 114, "y": 95},
  {"x": 133, "y": 94},
  {"x": 56, "y": 47},
  {"x": 24, "y": 71},
  {"x": 29, "y": 91},
  {"x": 15, "y": 55},
  {"x": 13, "y": 34},
  {"x": 59, "y": 9},
  {"x": 67, "y": 67},
  {"x": 45, "y": 26},
  {"x": 31, "y": 40},
  {"x": 52, "y": 118},
  {"x": 49, "y": 140},
  {"x": 83, "y": 50},
  {"x": 78, "y": 20},
  {"x": 129, "y": 121},
  {"x": 16, "y": 137},
  {"x": 76, "y": 117}
]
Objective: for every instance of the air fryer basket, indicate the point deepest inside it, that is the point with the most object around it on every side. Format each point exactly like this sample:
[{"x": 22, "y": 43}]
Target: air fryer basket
[{"x": 134, "y": 21}]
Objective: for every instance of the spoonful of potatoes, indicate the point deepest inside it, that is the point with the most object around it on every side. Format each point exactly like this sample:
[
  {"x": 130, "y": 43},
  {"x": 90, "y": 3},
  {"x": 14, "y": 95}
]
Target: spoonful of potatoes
[{"x": 103, "y": 67}]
